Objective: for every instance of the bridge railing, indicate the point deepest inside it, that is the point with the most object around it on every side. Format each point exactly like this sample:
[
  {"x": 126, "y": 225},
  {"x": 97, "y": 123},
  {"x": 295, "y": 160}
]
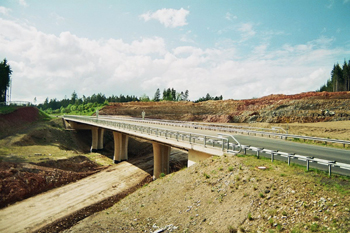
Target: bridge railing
[
  {"x": 290, "y": 156},
  {"x": 221, "y": 142},
  {"x": 217, "y": 142},
  {"x": 237, "y": 129}
]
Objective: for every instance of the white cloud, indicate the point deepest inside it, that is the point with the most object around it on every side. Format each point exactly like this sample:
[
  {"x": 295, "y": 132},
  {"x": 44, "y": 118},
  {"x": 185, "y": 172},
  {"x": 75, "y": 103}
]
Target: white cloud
[
  {"x": 59, "y": 19},
  {"x": 4, "y": 10},
  {"x": 23, "y": 3},
  {"x": 168, "y": 17},
  {"x": 246, "y": 30},
  {"x": 46, "y": 65},
  {"x": 230, "y": 17}
]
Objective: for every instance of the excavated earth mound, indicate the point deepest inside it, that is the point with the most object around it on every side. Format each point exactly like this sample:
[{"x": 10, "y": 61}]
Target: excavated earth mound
[
  {"x": 302, "y": 108},
  {"x": 22, "y": 180},
  {"x": 14, "y": 121}
]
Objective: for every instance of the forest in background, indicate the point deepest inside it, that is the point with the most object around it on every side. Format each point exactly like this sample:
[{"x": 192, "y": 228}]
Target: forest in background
[
  {"x": 88, "y": 105},
  {"x": 339, "y": 80}
]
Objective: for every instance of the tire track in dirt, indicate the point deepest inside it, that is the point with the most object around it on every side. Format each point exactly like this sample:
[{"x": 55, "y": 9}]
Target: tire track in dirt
[{"x": 58, "y": 207}]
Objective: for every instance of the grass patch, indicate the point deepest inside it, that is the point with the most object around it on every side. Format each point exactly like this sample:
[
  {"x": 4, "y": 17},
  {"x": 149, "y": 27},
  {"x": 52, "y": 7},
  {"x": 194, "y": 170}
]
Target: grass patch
[
  {"x": 7, "y": 109},
  {"x": 206, "y": 175},
  {"x": 250, "y": 217},
  {"x": 44, "y": 116}
]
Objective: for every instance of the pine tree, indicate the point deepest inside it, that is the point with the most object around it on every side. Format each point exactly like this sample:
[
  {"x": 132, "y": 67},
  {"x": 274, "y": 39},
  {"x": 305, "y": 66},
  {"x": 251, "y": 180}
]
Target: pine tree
[
  {"x": 157, "y": 96},
  {"x": 346, "y": 76},
  {"x": 5, "y": 73}
]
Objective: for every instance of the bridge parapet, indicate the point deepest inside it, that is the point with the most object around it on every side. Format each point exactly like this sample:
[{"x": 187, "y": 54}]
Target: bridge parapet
[{"x": 200, "y": 146}]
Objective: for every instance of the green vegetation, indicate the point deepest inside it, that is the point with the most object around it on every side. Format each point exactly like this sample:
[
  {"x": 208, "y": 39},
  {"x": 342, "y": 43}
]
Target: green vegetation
[
  {"x": 89, "y": 105},
  {"x": 7, "y": 109},
  {"x": 208, "y": 97},
  {"x": 206, "y": 175},
  {"x": 340, "y": 79},
  {"x": 5, "y": 73}
]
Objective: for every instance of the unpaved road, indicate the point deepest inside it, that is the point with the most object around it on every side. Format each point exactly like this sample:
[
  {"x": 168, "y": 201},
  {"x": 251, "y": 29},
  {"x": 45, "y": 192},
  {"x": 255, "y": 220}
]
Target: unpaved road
[{"x": 37, "y": 212}]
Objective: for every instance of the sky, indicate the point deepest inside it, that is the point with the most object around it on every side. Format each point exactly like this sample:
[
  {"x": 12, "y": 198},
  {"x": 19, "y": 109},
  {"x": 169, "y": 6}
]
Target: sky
[{"x": 237, "y": 49}]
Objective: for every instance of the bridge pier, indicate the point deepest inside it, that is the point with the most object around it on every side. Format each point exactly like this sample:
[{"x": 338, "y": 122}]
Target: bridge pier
[
  {"x": 195, "y": 156},
  {"x": 120, "y": 147},
  {"x": 94, "y": 134},
  {"x": 97, "y": 138},
  {"x": 161, "y": 155}
]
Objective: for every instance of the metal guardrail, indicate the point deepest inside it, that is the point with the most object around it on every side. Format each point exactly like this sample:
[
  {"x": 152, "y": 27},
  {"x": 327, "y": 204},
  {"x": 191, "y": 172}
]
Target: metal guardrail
[
  {"x": 222, "y": 141},
  {"x": 290, "y": 156},
  {"x": 217, "y": 142},
  {"x": 234, "y": 129}
]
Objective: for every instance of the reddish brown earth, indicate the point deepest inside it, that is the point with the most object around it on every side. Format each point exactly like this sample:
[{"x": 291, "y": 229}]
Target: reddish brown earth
[
  {"x": 302, "y": 108},
  {"x": 18, "y": 119},
  {"x": 22, "y": 180}
]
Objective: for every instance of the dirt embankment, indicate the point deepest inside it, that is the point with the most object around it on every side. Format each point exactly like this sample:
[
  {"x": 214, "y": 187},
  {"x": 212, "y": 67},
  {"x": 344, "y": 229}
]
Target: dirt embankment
[
  {"x": 19, "y": 181},
  {"x": 230, "y": 194},
  {"x": 302, "y": 108},
  {"x": 38, "y": 156},
  {"x": 20, "y": 118}
]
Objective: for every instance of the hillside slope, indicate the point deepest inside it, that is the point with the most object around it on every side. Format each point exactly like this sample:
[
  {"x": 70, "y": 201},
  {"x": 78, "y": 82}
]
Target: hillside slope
[
  {"x": 304, "y": 107},
  {"x": 230, "y": 194}
]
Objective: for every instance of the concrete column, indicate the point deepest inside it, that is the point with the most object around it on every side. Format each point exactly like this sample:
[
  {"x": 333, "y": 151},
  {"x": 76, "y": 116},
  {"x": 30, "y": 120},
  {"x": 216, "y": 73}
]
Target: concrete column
[
  {"x": 196, "y": 156},
  {"x": 94, "y": 146},
  {"x": 161, "y": 154},
  {"x": 101, "y": 132},
  {"x": 120, "y": 147}
]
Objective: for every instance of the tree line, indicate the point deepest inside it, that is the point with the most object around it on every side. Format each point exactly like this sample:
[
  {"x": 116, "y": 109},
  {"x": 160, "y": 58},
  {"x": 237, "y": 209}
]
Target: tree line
[
  {"x": 339, "y": 80},
  {"x": 89, "y": 104}
]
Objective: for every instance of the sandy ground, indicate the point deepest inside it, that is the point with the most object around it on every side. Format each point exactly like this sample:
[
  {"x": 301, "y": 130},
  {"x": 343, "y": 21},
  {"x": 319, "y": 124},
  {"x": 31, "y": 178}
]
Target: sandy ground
[
  {"x": 34, "y": 213},
  {"x": 230, "y": 194}
]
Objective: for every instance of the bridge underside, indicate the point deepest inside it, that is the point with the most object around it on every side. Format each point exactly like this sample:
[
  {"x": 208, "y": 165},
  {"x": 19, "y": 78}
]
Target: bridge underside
[{"x": 161, "y": 152}]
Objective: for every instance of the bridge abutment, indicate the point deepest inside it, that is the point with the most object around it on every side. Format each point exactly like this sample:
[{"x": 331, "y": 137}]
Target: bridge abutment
[
  {"x": 195, "y": 156},
  {"x": 120, "y": 147},
  {"x": 161, "y": 155}
]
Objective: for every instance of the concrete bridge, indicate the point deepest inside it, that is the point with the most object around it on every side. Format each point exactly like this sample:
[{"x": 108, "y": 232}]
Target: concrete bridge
[{"x": 199, "y": 146}]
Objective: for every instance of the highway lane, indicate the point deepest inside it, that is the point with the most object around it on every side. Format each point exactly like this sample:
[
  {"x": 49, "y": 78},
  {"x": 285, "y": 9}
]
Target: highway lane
[
  {"x": 320, "y": 152},
  {"x": 339, "y": 155}
]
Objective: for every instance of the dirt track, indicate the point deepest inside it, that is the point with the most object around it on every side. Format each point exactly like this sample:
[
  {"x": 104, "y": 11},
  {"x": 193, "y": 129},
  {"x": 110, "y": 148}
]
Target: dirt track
[{"x": 37, "y": 212}]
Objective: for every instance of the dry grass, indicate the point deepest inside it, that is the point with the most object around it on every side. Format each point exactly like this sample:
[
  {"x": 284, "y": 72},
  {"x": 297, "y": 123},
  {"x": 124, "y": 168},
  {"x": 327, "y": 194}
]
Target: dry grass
[{"x": 209, "y": 197}]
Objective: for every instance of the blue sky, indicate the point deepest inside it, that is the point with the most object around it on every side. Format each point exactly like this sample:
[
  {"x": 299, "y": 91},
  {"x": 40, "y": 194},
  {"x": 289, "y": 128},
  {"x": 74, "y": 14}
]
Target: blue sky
[{"x": 238, "y": 49}]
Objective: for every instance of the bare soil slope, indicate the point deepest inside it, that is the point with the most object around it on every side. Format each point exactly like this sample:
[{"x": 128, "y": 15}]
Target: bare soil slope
[
  {"x": 304, "y": 107},
  {"x": 17, "y": 120},
  {"x": 230, "y": 194}
]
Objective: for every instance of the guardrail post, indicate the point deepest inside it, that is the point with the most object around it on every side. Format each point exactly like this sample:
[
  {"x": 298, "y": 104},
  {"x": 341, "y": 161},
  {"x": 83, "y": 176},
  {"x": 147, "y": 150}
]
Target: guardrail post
[
  {"x": 289, "y": 156},
  {"x": 330, "y": 164},
  {"x": 272, "y": 156},
  {"x": 245, "y": 150},
  {"x": 257, "y": 153},
  {"x": 205, "y": 141}
]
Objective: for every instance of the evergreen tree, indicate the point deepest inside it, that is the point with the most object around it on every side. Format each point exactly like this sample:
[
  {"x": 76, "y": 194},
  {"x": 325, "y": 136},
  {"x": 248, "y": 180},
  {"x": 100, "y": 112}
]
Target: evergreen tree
[
  {"x": 5, "y": 73},
  {"x": 186, "y": 95},
  {"x": 157, "y": 96},
  {"x": 346, "y": 75}
]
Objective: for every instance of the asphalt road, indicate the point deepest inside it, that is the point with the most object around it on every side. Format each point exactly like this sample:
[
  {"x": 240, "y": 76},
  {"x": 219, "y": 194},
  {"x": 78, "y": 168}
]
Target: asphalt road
[{"x": 321, "y": 152}]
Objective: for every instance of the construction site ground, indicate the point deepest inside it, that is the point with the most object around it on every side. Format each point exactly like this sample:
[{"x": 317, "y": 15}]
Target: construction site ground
[{"x": 225, "y": 194}]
